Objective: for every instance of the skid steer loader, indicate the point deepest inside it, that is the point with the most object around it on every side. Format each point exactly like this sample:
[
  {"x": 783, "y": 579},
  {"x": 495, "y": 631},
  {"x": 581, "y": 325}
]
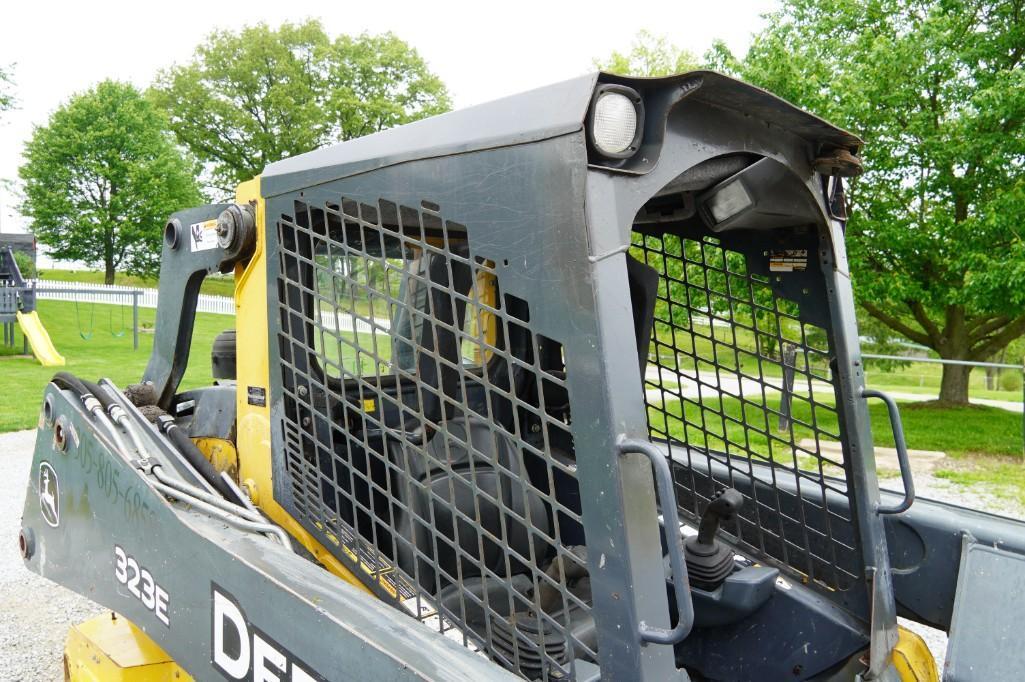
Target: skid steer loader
[{"x": 503, "y": 401}]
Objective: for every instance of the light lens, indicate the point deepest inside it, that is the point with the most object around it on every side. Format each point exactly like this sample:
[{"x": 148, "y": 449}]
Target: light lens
[
  {"x": 729, "y": 201},
  {"x": 615, "y": 123}
]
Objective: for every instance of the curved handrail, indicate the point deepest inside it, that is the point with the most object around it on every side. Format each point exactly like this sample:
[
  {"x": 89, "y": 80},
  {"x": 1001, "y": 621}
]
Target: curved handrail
[
  {"x": 674, "y": 543},
  {"x": 902, "y": 453}
]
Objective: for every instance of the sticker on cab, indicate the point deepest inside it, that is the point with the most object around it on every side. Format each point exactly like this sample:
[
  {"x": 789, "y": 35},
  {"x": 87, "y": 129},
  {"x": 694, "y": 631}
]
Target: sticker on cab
[
  {"x": 788, "y": 260},
  {"x": 203, "y": 236}
]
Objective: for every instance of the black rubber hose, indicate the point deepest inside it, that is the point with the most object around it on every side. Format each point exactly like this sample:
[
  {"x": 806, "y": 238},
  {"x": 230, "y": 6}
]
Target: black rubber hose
[
  {"x": 99, "y": 393},
  {"x": 181, "y": 441},
  {"x": 196, "y": 458},
  {"x": 71, "y": 382}
]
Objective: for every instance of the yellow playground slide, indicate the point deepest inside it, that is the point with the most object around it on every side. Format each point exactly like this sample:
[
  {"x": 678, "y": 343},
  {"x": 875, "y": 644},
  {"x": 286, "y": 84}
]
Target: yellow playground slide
[{"x": 42, "y": 346}]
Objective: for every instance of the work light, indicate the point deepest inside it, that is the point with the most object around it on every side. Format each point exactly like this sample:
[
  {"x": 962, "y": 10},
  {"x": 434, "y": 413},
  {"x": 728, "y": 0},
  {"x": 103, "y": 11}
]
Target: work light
[
  {"x": 617, "y": 121},
  {"x": 729, "y": 201}
]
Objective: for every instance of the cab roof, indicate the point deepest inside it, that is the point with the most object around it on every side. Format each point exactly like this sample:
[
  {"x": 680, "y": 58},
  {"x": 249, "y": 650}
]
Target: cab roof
[{"x": 543, "y": 113}]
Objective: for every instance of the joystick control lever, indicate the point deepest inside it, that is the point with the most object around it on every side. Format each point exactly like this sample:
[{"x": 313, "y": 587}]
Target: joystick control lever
[{"x": 710, "y": 562}]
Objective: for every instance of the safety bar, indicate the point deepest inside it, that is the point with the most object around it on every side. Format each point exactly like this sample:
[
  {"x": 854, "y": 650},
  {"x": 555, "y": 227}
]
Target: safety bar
[
  {"x": 902, "y": 453},
  {"x": 674, "y": 543}
]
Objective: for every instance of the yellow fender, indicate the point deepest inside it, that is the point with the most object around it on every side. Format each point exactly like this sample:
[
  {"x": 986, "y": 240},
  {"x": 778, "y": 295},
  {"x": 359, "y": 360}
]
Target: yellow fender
[
  {"x": 109, "y": 648},
  {"x": 913, "y": 660}
]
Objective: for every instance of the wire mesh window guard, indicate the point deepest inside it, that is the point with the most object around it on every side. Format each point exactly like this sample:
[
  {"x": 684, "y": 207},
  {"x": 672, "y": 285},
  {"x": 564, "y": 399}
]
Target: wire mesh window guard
[
  {"x": 713, "y": 390},
  {"x": 426, "y": 431}
]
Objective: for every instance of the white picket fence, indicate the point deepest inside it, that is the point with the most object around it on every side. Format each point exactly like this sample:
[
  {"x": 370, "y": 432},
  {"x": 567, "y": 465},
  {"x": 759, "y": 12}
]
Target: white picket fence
[
  {"x": 120, "y": 295},
  {"x": 344, "y": 322}
]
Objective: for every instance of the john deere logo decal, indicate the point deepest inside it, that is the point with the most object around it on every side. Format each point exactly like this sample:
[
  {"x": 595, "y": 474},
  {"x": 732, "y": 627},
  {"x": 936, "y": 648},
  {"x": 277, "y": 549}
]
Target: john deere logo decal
[{"x": 49, "y": 494}]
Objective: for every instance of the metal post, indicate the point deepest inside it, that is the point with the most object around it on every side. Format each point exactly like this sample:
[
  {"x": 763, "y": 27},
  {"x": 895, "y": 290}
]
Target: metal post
[
  {"x": 135, "y": 319},
  {"x": 789, "y": 354}
]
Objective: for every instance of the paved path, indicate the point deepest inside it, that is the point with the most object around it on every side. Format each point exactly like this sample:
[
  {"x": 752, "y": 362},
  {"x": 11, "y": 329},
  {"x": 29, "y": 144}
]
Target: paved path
[{"x": 731, "y": 384}]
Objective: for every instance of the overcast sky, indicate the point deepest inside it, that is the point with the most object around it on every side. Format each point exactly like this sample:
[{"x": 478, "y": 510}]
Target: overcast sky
[{"x": 481, "y": 50}]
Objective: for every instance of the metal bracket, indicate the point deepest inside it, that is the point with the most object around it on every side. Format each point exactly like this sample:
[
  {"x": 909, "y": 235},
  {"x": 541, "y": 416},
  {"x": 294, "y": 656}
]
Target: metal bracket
[
  {"x": 902, "y": 453},
  {"x": 674, "y": 543},
  {"x": 190, "y": 252}
]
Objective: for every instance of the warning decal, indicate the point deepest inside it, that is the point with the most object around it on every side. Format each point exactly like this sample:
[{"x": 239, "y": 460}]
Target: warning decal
[
  {"x": 788, "y": 260},
  {"x": 203, "y": 236}
]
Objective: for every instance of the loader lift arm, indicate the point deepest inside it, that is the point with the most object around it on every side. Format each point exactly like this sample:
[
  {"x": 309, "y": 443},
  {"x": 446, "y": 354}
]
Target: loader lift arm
[{"x": 240, "y": 599}]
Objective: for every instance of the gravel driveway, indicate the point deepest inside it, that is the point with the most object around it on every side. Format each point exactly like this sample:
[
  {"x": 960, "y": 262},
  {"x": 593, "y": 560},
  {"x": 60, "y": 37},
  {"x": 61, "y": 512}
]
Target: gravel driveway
[{"x": 35, "y": 614}]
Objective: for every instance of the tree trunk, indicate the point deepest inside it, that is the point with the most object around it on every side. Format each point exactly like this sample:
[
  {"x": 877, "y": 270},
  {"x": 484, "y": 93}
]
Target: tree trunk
[
  {"x": 954, "y": 385},
  {"x": 108, "y": 275}
]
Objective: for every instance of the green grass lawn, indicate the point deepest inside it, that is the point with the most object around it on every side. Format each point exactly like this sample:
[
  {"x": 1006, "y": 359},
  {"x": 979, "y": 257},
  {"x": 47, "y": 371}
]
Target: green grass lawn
[
  {"x": 921, "y": 377},
  {"x": 215, "y": 285},
  {"x": 22, "y": 379},
  {"x": 960, "y": 432},
  {"x": 983, "y": 444}
]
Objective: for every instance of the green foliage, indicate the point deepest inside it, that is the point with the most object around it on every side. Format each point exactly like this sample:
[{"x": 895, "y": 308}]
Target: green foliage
[
  {"x": 937, "y": 89},
  {"x": 101, "y": 177},
  {"x": 7, "y": 100},
  {"x": 757, "y": 323},
  {"x": 649, "y": 55},
  {"x": 1010, "y": 380},
  {"x": 253, "y": 97},
  {"x": 26, "y": 265}
]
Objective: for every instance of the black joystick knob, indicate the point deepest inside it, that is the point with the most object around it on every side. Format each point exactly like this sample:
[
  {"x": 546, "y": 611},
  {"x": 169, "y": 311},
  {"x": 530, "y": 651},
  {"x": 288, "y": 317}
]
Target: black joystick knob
[{"x": 709, "y": 561}]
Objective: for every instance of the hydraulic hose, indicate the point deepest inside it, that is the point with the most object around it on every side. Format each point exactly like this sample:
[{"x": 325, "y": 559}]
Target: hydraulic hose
[
  {"x": 231, "y": 507},
  {"x": 69, "y": 381},
  {"x": 99, "y": 393},
  {"x": 179, "y": 439},
  {"x": 195, "y": 457},
  {"x": 93, "y": 399}
]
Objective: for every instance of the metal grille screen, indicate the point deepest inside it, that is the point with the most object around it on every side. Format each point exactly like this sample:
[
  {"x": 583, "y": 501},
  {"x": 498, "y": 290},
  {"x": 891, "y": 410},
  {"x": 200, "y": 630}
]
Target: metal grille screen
[
  {"x": 426, "y": 431},
  {"x": 721, "y": 345}
]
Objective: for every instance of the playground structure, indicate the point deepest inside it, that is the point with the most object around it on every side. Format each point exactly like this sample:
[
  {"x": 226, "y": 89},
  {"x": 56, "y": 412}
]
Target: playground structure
[
  {"x": 18, "y": 305},
  {"x": 18, "y": 298}
]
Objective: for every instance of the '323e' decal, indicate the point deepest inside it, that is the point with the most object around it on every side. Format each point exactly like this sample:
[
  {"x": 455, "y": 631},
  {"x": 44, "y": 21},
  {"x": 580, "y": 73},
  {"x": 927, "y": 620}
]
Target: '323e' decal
[{"x": 141, "y": 584}]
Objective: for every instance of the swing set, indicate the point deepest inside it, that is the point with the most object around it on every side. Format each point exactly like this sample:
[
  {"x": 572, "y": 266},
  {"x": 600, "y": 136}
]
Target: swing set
[
  {"x": 85, "y": 320},
  {"x": 87, "y": 334}
]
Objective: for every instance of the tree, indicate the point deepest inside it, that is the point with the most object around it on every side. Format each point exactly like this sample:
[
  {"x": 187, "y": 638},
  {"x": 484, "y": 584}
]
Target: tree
[
  {"x": 102, "y": 176},
  {"x": 26, "y": 265},
  {"x": 250, "y": 98},
  {"x": 937, "y": 89},
  {"x": 649, "y": 55}
]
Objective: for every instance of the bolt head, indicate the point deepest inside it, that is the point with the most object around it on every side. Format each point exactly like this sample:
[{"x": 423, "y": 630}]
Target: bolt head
[{"x": 226, "y": 228}]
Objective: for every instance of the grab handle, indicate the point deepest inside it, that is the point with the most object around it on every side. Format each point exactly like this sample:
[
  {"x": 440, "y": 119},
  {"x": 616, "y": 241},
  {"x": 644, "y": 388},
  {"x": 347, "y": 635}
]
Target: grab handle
[
  {"x": 674, "y": 543},
  {"x": 902, "y": 453}
]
